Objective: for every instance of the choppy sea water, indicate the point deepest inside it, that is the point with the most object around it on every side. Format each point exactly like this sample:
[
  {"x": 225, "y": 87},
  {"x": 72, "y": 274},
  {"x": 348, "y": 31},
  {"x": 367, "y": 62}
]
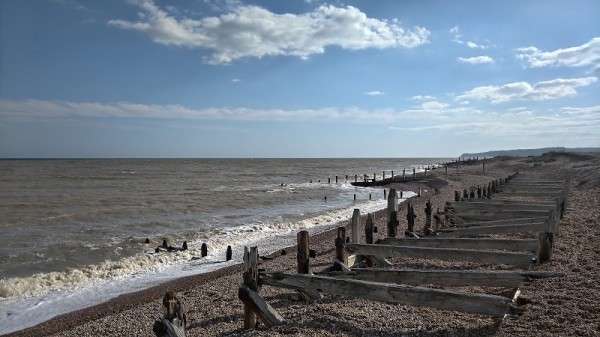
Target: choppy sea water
[{"x": 74, "y": 231}]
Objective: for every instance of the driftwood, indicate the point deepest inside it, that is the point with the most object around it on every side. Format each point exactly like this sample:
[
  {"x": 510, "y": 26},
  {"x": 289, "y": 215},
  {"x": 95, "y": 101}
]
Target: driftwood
[
  {"x": 496, "y": 306},
  {"x": 487, "y": 278},
  {"x": 446, "y": 254},
  {"x": 264, "y": 312}
]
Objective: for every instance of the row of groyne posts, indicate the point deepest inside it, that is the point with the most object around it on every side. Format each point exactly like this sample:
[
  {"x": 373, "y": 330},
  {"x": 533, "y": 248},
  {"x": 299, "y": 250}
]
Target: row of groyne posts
[
  {"x": 369, "y": 180},
  {"x": 514, "y": 224}
]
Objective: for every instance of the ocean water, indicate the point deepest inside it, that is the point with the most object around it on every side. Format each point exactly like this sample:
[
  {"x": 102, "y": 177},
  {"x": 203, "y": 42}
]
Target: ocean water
[{"x": 74, "y": 231}]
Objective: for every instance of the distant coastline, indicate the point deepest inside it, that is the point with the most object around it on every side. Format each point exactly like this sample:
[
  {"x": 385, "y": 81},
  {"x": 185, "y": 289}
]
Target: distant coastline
[{"x": 529, "y": 152}]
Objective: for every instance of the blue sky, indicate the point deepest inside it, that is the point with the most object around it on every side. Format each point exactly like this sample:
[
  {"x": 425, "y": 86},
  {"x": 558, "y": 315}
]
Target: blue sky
[{"x": 208, "y": 78}]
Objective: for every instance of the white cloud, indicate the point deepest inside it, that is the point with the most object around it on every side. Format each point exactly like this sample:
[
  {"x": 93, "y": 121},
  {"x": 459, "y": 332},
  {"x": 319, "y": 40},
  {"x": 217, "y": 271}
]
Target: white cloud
[
  {"x": 422, "y": 98},
  {"x": 236, "y": 80},
  {"x": 541, "y": 91},
  {"x": 433, "y": 105},
  {"x": 457, "y": 37},
  {"x": 587, "y": 54},
  {"x": 252, "y": 31},
  {"x": 375, "y": 93},
  {"x": 476, "y": 60}
]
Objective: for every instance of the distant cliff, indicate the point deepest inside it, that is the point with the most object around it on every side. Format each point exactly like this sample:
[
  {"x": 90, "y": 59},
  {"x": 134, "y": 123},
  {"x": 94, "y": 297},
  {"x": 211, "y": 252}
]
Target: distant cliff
[{"x": 529, "y": 152}]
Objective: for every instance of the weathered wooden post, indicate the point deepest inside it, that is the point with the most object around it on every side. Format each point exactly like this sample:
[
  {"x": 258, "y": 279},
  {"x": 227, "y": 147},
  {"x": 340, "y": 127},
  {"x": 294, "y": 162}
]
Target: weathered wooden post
[
  {"x": 392, "y": 205},
  {"x": 336, "y": 180},
  {"x": 356, "y": 226},
  {"x": 478, "y": 192},
  {"x": 303, "y": 257},
  {"x": 410, "y": 217},
  {"x": 392, "y": 225},
  {"x": 401, "y": 197},
  {"x": 456, "y": 195},
  {"x": 365, "y": 177},
  {"x": 383, "y": 175},
  {"x": 428, "y": 213},
  {"x": 465, "y": 193},
  {"x": 250, "y": 276},
  {"x": 446, "y": 167},
  {"x": 356, "y": 178},
  {"x": 369, "y": 229},
  {"x": 403, "y": 174},
  {"x": 204, "y": 250},
  {"x": 419, "y": 194},
  {"x": 228, "y": 254},
  {"x": 340, "y": 246},
  {"x": 484, "y": 192},
  {"x": 414, "y": 173},
  {"x": 173, "y": 322},
  {"x": 472, "y": 193}
]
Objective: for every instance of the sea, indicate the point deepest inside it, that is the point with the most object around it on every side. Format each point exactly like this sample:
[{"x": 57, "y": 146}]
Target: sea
[{"x": 74, "y": 232}]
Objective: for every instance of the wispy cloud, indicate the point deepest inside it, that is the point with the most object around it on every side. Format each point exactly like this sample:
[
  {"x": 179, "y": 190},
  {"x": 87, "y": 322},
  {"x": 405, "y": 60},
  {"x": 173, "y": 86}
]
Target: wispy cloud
[
  {"x": 587, "y": 54},
  {"x": 476, "y": 60},
  {"x": 252, "y": 31},
  {"x": 236, "y": 80},
  {"x": 522, "y": 91},
  {"x": 375, "y": 93},
  {"x": 427, "y": 116},
  {"x": 457, "y": 37},
  {"x": 422, "y": 98}
]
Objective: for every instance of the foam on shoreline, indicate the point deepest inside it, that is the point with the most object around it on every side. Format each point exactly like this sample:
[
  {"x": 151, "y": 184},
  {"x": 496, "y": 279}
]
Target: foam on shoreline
[{"x": 31, "y": 300}]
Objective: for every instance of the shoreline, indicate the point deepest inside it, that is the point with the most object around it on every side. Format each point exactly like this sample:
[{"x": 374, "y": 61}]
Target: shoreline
[{"x": 213, "y": 307}]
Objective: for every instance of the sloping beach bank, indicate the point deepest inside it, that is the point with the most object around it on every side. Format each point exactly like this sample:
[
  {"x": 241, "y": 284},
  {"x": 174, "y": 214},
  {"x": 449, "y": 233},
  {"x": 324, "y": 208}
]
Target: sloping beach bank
[{"x": 565, "y": 306}]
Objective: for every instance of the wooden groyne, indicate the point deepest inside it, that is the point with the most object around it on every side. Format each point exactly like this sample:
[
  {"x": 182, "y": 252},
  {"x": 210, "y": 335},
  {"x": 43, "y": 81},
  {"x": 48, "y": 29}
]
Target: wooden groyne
[{"x": 460, "y": 234}]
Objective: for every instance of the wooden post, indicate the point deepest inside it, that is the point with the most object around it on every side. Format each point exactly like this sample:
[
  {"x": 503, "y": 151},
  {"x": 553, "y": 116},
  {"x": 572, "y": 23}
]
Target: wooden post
[
  {"x": 465, "y": 193},
  {"x": 479, "y": 192},
  {"x": 428, "y": 212},
  {"x": 228, "y": 254},
  {"x": 303, "y": 257},
  {"x": 456, "y": 195},
  {"x": 410, "y": 217},
  {"x": 419, "y": 195},
  {"x": 392, "y": 225},
  {"x": 446, "y": 167},
  {"x": 401, "y": 196},
  {"x": 403, "y": 174},
  {"x": 369, "y": 235},
  {"x": 356, "y": 178},
  {"x": 392, "y": 205},
  {"x": 374, "y": 177},
  {"x": 356, "y": 226},
  {"x": 336, "y": 180},
  {"x": 365, "y": 177},
  {"x": 251, "y": 281},
  {"x": 340, "y": 246},
  {"x": 384, "y": 194},
  {"x": 204, "y": 250},
  {"x": 414, "y": 173},
  {"x": 383, "y": 175},
  {"x": 426, "y": 172},
  {"x": 173, "y": 322}
]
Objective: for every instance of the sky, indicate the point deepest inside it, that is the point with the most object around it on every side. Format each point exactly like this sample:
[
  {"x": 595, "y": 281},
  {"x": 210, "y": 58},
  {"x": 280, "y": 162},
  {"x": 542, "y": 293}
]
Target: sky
[{"x": 273, "y": 79}]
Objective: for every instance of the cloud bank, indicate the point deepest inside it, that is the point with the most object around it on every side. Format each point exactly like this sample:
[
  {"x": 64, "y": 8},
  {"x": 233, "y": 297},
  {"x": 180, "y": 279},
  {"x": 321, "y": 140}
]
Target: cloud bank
[{"x": 252, "y": 31}]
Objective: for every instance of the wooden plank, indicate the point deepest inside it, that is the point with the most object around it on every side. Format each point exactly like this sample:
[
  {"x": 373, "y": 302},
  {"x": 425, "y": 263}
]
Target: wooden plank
[
  {"x": 505, "y": 202},
  {"x": 477, "y": 206},
  {"x": 515, "y": 221},
  {"x": 266, "y": 314},
  {"x": 485, "y": 278},
  {"x": 497, "y": 229},
  {"x": 471, "y": 217},
  {"x": 465, "y": 243},
  {"x": 484, "y": 304},
  {"x": 503, "y": 192},
  {"x": 445, "y": 254}
]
